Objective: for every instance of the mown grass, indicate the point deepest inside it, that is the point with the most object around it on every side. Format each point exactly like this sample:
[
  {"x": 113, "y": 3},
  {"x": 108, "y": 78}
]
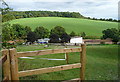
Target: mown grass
[
  {"x": 102, "y": 64},
  {"x": 90, "y": 27}
]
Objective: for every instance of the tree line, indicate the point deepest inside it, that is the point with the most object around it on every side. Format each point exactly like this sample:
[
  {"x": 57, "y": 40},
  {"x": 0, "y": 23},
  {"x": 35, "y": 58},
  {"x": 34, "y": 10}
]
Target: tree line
[
  {"x": 28, "y": 14},
  {"x": 56, "y": 35},
  {"x": 17, "y": 31},
  {"x": 10, "y": 15},
  {"x": 103, "y": 19}
]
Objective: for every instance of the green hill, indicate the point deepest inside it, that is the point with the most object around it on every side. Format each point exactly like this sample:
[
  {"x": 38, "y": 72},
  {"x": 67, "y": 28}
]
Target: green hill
[{"x": 90, "y": 27}]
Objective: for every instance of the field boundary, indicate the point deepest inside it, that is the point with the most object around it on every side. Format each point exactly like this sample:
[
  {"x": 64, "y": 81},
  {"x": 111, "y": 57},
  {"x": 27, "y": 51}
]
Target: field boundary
[{"x": 10, "y": 62}]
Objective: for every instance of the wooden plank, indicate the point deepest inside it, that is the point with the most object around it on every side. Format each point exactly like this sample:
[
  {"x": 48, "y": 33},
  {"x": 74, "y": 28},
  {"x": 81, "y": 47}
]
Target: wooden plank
[
  {"x": 6, "y": 64},
  {"x": 14, "y": 64},
  {"x": 83, "y": 62},
  {"x": 48, "y": 70},
  {"x": 49, "y": 51}
]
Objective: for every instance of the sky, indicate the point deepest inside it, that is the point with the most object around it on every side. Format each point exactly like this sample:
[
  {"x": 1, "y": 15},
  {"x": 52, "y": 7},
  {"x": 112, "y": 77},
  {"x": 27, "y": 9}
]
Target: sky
[{"x": 88, "y": 8}]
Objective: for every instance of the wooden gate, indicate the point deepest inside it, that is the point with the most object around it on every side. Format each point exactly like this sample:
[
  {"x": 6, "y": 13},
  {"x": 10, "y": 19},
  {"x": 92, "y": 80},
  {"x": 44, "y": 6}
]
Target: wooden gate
[{"x": 10, "y": 57}]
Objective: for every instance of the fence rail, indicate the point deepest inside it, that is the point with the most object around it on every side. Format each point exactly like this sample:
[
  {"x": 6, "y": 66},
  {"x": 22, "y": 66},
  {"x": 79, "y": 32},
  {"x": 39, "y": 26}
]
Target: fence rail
[
  {"x": 49, "y": 51},
  {"x": 48, "y": 70},
  {"x": 10, "y": 62}
]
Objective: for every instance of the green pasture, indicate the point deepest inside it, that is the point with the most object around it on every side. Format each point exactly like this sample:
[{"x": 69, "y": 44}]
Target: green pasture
[
  {"x": 102, "y": 63},
  {"x": 90, "y": 27}
]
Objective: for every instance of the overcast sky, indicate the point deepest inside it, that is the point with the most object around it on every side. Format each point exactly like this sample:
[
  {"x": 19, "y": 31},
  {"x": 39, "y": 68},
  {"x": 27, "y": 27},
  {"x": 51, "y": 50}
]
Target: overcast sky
[{"x": 88, "y": 8}]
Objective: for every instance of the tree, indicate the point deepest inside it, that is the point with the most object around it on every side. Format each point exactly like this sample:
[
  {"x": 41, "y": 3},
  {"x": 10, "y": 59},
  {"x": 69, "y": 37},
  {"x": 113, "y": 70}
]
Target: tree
[
  {"x": 27, "y": 29},
  {"x": 65, "y": 38},
  {"x": 19, "y": 31},
  {"x": 56, "y": 34},
  {"x": 83, "y": 34},
  {"x": 6, "y": 8},
  {"x": 58, "y": 30},
  {"x": 31, "y": 37},
  {"x": 94, "y": 18},
  {"x": 54, "y": 38},
  {"x": 7, "y": 33},
  {"x": 7, "y": 17},
  {"x": 72, "y": 34},
  {"x": 115, "y": 20},
  {"x": 112, "y": 33},
  {"x": 41, "y": 32},
  {"x": 110, "y": 19}
]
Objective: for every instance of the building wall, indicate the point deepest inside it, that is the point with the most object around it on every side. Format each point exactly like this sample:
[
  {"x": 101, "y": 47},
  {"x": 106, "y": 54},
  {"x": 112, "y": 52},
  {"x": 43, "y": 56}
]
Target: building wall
[{"x": 76, "y": 40}]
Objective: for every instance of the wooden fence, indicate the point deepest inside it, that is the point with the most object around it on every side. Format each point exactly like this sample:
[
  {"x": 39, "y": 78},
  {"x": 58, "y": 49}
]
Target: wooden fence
[{"x": 10, "y": 57}]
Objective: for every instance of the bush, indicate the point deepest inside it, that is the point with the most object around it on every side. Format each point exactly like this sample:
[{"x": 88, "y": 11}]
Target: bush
[{"x": 112, "y": 33}]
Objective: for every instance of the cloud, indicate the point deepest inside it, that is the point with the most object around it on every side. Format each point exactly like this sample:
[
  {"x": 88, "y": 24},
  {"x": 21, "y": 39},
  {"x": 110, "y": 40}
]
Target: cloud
[{"x": 92, "y": 8}]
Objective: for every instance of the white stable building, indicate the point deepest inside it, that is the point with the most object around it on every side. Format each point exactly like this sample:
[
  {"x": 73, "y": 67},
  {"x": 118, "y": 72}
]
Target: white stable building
[{"x": 77, "y": 40}]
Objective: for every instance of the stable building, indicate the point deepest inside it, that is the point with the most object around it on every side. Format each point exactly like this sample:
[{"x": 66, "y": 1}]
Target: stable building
[{"x": 76, "y": 40}]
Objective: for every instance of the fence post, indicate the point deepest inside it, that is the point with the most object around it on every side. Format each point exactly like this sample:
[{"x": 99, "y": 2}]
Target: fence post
[
  {"x": 66, "y": 54},
  {"x": 67, "y": 58},
  {"x": 83, "y": 62},
  {"x": 14, "y": 64},
  {"x": 6, "y": 65}
]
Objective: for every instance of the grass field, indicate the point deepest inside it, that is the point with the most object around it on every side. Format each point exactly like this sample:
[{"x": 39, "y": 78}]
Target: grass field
[
  {"x": 90, "y": 27},
  {"x": 101, "y": 64}
]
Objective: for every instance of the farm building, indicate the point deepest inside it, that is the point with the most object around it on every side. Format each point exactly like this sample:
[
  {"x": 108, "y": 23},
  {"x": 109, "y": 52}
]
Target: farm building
[
  {"x": 77, "y": 40},
  {"x": 43, "y": 41}
]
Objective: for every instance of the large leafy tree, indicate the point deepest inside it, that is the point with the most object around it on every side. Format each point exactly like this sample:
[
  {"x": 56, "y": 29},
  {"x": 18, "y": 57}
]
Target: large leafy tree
[
  {"x": 58, "y": 34},
  {"x": 27, "y": 29},
  {"x": 58, "y": 30},
  {"x": 54, "y": 38},
  {"x": 19, "y": 31},
  {"x": 7, "y": 17},
  {"x": 31, "y": 37},
  {"x": 41, "y": 32},
  {"x": 112, "y": 33},
  {"x": 7, "y": 33}
]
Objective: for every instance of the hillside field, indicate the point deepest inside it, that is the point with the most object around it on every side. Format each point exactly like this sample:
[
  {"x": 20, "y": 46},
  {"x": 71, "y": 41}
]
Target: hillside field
[
  {"x": 101, "y": 63},
  {"x": 90, "y": 27}
]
